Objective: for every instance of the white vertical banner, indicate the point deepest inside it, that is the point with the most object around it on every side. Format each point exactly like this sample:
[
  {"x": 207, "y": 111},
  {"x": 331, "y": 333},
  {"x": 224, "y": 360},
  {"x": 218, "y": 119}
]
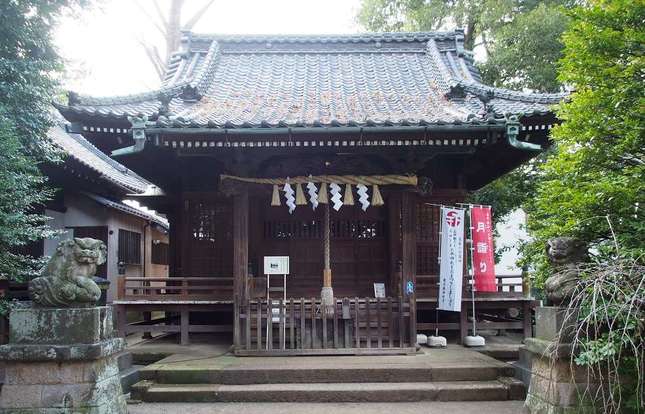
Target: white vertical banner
[{"x": 451, "y": 267}]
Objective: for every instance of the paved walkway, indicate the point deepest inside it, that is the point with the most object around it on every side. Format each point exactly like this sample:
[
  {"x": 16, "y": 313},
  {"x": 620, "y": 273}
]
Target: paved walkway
[{"x": 484, "y": 407}]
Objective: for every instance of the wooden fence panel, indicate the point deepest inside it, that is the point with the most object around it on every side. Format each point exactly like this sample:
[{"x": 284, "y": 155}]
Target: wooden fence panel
[{"x": 358, "y": 325}]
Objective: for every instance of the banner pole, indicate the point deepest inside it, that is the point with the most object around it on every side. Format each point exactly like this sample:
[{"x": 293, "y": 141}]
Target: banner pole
[
  {"x": 437, "y": 341},
  {"x": 472, "y": 270},
  {"x": 436, "y": 327}
]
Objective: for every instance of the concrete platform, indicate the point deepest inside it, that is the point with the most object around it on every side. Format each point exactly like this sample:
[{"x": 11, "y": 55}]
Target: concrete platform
[
  {"x": 207, "y": 371},
  {"x": 451, "y": 374},
  {"x": 453, "y": 363}
]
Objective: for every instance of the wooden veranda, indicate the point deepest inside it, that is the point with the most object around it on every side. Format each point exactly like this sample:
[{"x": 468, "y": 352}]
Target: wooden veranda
[{"x": 394, "y": 244}]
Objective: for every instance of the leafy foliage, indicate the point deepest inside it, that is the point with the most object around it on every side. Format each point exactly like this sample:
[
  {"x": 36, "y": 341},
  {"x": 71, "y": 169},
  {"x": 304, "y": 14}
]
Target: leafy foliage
[
  {"x": 521, "y": 38},
  {"x": 28, "y": 68},
  {"x": 598, "y": 170},
  {"x": 607, "y": 305}
]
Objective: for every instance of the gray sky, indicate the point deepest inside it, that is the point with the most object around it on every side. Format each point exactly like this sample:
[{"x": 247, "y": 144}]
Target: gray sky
[{"x": 104, "y": 56}]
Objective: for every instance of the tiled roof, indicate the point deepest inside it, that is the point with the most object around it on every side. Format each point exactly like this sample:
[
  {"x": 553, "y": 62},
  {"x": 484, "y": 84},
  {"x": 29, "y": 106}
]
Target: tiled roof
[
  {"x": 77, "y": 147},
  {"x": 388, "y": 79},
  {"x": 129, "y": 210}
]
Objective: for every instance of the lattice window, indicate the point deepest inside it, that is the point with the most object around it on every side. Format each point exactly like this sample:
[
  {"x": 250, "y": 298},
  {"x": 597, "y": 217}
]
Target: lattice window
[
  {"x": 313, "y": 229},
  {"x": 129, "y": 247},
  {"x": 428, "y": 218},
  {"x": 357, "y": 229},
  {"x": 293, "y": 229}
]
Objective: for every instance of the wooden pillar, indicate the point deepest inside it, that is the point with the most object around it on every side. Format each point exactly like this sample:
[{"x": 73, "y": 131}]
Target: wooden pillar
[
  {"x": 240, "y": 254},
  {"x": 183, "y": 234},
  {"x": 409, "y": 255},
  {"x": 394, "y": 243},
  {"x": 174, "y": 236},
  {"x": 184, "y": 325}
]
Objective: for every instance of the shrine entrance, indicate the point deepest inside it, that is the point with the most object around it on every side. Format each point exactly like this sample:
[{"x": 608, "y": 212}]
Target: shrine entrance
[
  {"x": 343, "y": 247},
  {"x": 358, "y": 241}
]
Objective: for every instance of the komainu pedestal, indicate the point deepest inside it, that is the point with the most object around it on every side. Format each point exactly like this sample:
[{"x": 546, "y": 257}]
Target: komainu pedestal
[
  {"x": 557, "y": 385},
  {"x": 62, "y": 360}
]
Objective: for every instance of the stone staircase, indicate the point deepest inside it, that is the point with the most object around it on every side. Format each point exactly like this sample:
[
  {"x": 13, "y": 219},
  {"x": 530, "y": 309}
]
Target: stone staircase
[{"x": 437, "y": 375}]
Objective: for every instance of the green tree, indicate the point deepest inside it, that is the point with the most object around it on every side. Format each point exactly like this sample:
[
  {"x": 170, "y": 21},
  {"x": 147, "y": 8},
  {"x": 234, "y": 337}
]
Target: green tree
[
  {"x": 521, "y": 38},
  {"x": 29, "y": 67},
  {"x": 522, "y": 44},
  {"x": 594, "y": 183}
]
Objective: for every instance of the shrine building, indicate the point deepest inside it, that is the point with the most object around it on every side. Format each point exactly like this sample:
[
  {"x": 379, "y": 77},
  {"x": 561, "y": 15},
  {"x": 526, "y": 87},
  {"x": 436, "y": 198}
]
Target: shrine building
[{"x": 335, "y": 151}]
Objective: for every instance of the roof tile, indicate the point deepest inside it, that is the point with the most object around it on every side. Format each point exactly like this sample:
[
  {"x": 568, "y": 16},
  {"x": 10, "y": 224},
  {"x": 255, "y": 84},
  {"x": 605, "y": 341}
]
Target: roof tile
[{"x": 274, "y": 81}]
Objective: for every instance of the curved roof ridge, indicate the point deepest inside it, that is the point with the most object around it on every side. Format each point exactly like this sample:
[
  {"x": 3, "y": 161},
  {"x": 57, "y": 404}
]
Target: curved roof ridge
[
  {"x": 75, "y": 98},
  {"x": 325, "y": 38},
  {"x": 203, "y": 76},
  {"x": 200, "y": 81},
  {"x": 479, "y": 88}
]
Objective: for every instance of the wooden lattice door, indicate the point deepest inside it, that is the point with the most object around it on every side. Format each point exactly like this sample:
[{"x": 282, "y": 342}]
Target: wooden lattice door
[{"x": 358, "y": 248}]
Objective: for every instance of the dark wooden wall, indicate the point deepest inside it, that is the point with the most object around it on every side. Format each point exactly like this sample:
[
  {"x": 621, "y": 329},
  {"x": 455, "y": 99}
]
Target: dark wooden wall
[
  {"x": 206, "y": 235},
  {"x": 391, "y": 244}
]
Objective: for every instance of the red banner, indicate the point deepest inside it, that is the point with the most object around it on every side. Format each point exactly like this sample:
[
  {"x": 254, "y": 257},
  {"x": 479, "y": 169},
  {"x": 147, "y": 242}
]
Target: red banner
[{"x": 482, "y": 248}]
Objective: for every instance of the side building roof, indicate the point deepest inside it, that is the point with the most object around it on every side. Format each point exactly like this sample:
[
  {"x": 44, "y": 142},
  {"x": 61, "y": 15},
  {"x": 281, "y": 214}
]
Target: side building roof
[
  {"x": 377, "y": 79},
  {"x": 82, "y": 151}
]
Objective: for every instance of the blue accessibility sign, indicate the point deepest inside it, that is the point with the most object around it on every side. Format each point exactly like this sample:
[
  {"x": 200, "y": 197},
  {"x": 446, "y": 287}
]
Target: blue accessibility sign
[{"x": 409, "y": 287}]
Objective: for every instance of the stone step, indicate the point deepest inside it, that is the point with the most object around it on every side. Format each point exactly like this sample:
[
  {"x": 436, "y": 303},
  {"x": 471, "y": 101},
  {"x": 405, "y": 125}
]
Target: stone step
[
  {"x": 276, "y": 375},
  {"x": 497, "y": 390},
  {"x": 129, "y": 377}
]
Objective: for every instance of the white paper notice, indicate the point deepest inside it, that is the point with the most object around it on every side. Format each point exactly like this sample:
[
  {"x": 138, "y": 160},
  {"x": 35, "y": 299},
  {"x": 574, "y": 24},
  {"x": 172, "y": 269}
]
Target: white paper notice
[
  {"x": 451, "y": 269},
  {"x": 379, "y": 290}
]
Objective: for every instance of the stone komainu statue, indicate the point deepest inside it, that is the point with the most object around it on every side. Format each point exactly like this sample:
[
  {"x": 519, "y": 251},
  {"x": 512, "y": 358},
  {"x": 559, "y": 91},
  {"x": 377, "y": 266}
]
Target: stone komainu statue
[
  {"x": 565, "y": 254},
  {"x": 67, "y": 281}
]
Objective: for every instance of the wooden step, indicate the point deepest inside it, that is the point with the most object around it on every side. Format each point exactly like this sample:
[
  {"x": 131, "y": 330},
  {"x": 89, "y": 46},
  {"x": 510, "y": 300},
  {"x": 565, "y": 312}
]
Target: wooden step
[{"x": 330, "y": 392}]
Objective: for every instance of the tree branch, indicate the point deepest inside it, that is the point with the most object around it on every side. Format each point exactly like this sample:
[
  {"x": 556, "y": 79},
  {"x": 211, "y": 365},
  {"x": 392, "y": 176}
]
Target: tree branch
[
  {"x": 161, "y": 28},
  {"x": 160, "y": 14},
  {"x": 200, "y": 13},
  {"x": 153, "y": 56}
]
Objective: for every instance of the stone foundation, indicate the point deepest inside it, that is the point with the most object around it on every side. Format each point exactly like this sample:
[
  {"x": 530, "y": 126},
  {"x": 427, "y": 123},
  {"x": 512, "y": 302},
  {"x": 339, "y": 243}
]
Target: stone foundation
[
  {"x": 556, "y": 385},
  {"x": 62, "y": 361}
]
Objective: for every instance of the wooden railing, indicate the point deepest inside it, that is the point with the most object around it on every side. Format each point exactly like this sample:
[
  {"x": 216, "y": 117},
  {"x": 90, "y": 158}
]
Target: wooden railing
[
  {"x": 507, "y": 285},
  {"x": 297, "y": 327},
  {"x": 174, "y": 288}
]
